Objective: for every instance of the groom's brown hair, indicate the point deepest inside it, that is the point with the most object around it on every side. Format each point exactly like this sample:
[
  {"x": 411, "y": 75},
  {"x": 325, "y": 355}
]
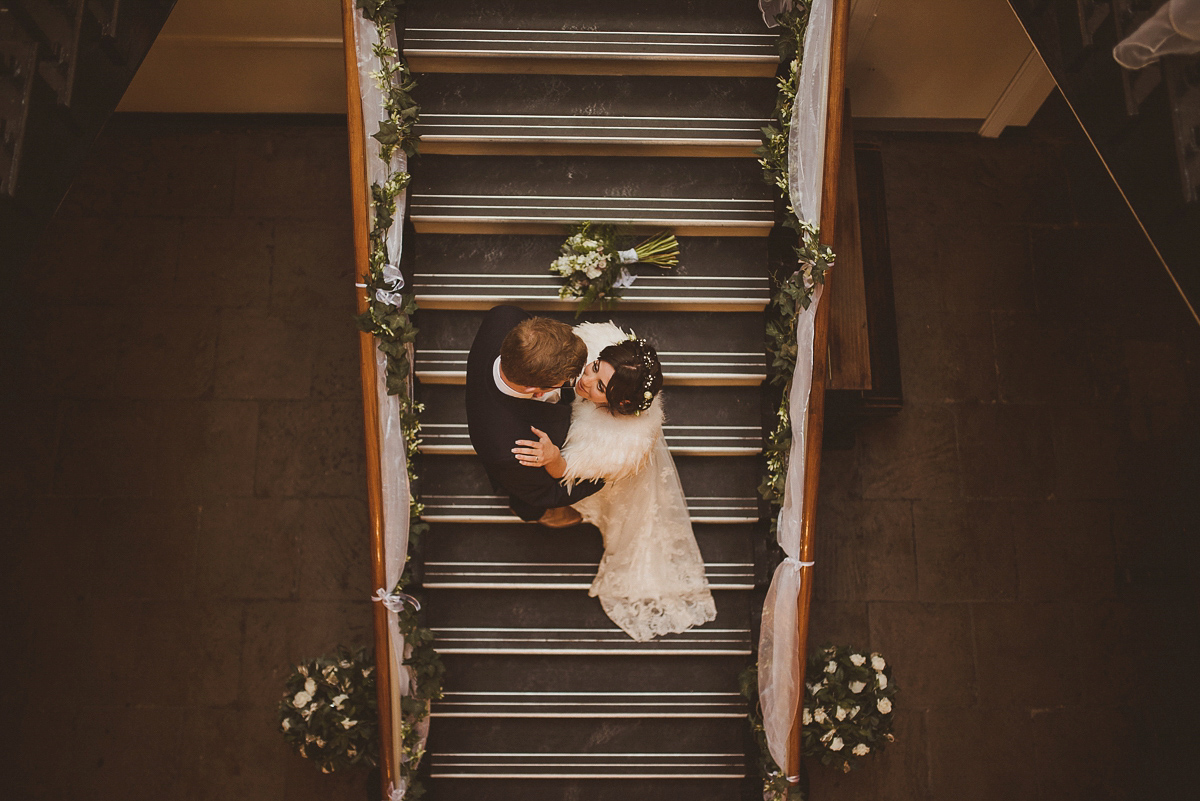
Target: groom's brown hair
[{"x": 540, "y": 352}]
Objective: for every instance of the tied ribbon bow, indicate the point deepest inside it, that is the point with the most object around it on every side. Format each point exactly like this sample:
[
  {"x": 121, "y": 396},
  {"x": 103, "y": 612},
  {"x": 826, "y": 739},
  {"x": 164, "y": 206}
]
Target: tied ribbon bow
[
  {"x": 624, "y": 279},
  {"x": 394, "y": 601},
  {"x": 395, "y": 793},
  {"x": 392, "y": 296},
  {"x": 796, "y": 564}
]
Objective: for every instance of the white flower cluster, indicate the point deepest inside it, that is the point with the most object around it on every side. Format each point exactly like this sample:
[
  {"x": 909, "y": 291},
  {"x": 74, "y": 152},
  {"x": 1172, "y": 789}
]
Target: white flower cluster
[
  {"x": 847, "y": 711},
  {"x": 322, "y": 715},
  {"x": 592, "y": 264}
]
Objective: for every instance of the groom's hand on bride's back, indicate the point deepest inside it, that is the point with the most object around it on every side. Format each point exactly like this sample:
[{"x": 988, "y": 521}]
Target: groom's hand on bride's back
[{"x": 541, "y": 453}]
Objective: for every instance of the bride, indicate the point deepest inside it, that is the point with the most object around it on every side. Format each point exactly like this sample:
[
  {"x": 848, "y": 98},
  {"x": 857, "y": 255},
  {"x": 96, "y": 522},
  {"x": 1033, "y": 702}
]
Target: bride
[{"x": 651, "y": 580}]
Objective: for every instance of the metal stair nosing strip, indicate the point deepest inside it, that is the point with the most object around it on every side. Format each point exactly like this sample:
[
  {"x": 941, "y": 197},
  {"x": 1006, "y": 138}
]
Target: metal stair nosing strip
[
  {"x": 507, "y": 765},
  {"x": 680, "y": 368},
  {"x": 541, "y": 134},
  {"x": 651, "y": 292},
  {"x": 590, "y": 52},
  {"x": 461, "y": 213},
  {"x": 494, "y": 509},
  {"x": 556, "y": 575},
  {"x": 454, "y": 439},
  {"x": 587, "y": 705},
  {"x": 703, "y": 641}
]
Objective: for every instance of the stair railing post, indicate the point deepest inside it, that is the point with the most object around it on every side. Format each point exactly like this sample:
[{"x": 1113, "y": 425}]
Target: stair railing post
[
  {"x": 366, "y": 342},
  {"x": 816, "y": 405}
]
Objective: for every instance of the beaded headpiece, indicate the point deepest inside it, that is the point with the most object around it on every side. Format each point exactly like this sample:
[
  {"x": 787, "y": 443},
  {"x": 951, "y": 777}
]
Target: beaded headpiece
[{"x": 650, "y": 363}]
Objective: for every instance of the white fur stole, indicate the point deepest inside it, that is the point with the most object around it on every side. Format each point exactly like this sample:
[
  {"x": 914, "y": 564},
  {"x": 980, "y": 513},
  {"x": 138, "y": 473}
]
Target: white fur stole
[{"x": 600, "y": 444}]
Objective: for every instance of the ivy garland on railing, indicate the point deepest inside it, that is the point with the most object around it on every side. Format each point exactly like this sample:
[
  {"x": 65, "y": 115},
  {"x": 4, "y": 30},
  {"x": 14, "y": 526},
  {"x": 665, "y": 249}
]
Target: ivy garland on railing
[
  {"x": 389, "y": 318},
  {"x": 793, "y": 294}
]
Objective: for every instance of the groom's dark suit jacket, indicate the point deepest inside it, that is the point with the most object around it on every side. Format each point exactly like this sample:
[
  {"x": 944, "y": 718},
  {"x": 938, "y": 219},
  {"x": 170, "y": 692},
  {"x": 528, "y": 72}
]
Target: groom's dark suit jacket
[{"x": 496, "y": 421}]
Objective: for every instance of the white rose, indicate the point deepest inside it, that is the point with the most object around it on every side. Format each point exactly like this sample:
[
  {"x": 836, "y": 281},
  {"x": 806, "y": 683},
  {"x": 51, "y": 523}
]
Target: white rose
[
  {"x": 840, "y": 714},
  {"x": 301, "y": 699},
  {"x": 853, "y": 712},
  {"x": 344, "y": 664},
  {"x": 877, "y": 662},
  {"x": 320, "y": 743},
  {"x": 287, "y": 724},
  {"x": 819, "y": 715},
  {"x": 857, "y": 686},
  {"x": 884, "y": 705},
  {"x": 862, "y": 749},
  {"x": 831, "y": 667},
  {"x": 827, "y": 736},
  {"x": 310, "y": 686},
  {"x": 805, "y": 718},
  {"x": 338, "y": 700},
  {"x": 347, "y": 723},
  {"x": 857, "y": 660},
  {"x": 837, "y": 744},
  {"x": 882, "y": 680}
]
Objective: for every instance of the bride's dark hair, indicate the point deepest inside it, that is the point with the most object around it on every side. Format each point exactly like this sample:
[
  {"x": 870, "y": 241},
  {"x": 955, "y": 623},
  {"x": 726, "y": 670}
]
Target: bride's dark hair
[{"x": 637, "y": 376}]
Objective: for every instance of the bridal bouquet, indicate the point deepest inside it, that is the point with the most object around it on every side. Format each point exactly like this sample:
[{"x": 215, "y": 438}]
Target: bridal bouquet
[
  {"x": 329, "y": 712},
  {"x": 847, "y": 706},
  {"x": 595, "y": 268}
]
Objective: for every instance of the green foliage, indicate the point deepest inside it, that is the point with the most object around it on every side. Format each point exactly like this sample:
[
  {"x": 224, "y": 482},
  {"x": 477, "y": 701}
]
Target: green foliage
[
  {"x": 329, "y": 713},
  {"x": 775, "y": 784},
  {"x": 389, "y": 318}
]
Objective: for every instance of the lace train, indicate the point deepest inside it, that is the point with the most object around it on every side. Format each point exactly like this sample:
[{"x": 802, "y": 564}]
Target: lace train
[{"x": 651, "y": 580}]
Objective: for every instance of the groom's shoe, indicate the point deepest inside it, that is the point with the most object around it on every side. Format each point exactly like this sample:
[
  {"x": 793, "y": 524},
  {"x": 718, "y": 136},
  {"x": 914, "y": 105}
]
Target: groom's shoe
[{"x": 560, "y": 517}]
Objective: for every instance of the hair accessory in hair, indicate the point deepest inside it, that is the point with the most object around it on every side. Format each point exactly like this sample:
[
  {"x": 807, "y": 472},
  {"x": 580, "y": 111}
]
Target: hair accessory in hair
[{"x": 650, "y": 363}]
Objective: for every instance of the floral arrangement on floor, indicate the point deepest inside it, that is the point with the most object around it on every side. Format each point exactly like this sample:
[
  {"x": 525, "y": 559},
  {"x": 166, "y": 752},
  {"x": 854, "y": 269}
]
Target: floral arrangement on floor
[
  {"x": 848, "y": 714},
  {"x": 389, "y": 318},
  {"x": 848, "y": 710},
  {"x": 329, "y": 712},
  {"x": 595, "y": 269}
]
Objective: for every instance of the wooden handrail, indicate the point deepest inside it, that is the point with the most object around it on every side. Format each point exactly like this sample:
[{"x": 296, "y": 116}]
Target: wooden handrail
[
  {"x": 366, "y": 346},
  {"x": 816, "y": 403}
]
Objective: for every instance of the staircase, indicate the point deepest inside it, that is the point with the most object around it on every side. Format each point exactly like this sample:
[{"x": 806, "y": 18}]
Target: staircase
[
  {"x": 535, "y": 116},
  {"x": 64, "y": 65}
]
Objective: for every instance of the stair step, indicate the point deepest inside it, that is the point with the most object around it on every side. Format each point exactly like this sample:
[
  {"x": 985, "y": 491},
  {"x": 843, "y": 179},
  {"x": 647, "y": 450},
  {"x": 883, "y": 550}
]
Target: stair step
[
  {"x": 653, "y": 290},
  {"x": 702, "y": 641},
  {"x": 453, "y": 438},
  {"x": 494, "y": 509},
  {"x": 684, "y": 216},
  {"x": 590, "y": 705},
  {"x": 543, "y": 134},
  {"x": 566, "y": 52},
  {"x": 615, "y": 765},
  {"x": 644, "y": 96},
  {"x": 449, "y": 366},
  {"x": 714, "y": 411},
  {"x": 529, "y": 542},
  {"x": 556, "y": 575}
]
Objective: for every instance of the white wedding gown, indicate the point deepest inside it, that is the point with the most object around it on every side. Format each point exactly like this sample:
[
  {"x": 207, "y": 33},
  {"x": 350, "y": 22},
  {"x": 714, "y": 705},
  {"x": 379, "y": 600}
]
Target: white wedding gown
[{"x": 651, "y": 580}]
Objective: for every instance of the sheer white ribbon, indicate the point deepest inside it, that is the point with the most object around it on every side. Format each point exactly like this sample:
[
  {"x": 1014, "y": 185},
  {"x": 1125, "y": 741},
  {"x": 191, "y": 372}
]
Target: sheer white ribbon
[
  {"x": 1173, "y": 30},
  {"x": 778, "y": 655},
  {"x": 392, "y": 451}
]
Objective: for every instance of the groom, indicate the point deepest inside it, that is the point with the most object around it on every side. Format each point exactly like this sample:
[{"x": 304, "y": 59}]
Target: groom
[{"x": 516, "y": 376}]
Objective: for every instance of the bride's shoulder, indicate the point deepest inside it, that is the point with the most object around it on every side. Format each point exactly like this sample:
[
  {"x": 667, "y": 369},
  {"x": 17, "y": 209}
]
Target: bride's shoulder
[{"x": 598, "y": 336}]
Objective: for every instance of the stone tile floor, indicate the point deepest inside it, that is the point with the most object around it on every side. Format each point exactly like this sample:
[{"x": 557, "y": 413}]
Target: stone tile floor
[{"x": 182, "y": 476}]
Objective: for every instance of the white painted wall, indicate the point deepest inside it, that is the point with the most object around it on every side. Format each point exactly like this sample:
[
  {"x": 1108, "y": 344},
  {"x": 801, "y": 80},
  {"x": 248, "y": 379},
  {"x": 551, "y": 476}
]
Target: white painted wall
[{"x": 244, "y": 56}]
